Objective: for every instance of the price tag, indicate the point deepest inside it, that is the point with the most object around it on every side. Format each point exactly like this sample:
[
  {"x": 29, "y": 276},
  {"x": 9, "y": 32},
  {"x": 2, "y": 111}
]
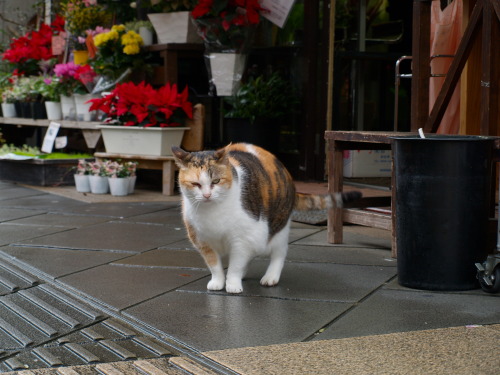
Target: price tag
[
  {"x": 61, "y": 142},
  {"x": 50, "y": 137},
  {"x": 278, "y": 10},
  {"x": 58, "y": 44}
]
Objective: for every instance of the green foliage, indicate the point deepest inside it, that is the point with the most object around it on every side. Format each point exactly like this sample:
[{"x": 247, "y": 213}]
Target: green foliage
[
  {"x": 262, "y": 98},
  {"x": 36, "y": 153},
  {"x": 136, "y": 25}
]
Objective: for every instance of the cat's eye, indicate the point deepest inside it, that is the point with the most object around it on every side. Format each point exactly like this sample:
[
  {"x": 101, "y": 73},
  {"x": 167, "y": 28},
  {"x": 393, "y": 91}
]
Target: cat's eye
[
  {"x": 216, "y": 181},
  {"x": 195, "y": 184}
]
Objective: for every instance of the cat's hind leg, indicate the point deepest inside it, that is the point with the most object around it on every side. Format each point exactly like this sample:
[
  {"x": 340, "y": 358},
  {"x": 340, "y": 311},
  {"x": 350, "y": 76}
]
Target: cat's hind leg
[{"x": 278, "y": 247}]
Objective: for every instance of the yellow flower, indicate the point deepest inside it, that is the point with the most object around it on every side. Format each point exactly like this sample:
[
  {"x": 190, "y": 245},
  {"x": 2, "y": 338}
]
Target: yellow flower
[
  {"x": 131, "y": 37},
  {"x": 118, "y": 28},
  {"x": 99, "y": 39},
  {"x": 131, "y": 49}
]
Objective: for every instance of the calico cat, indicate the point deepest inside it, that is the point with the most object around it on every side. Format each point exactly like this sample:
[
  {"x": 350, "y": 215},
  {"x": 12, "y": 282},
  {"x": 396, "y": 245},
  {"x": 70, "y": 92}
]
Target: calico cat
[{"x": 237, "y": 201}]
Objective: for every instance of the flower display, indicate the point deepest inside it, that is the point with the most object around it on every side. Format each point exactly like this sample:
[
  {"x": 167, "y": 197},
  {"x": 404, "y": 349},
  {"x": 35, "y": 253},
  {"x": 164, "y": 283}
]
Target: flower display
[
  {"x": 74, "y": 78},
  {"x": 226, "y": 24},
  {"x": 83, "y": 15},
  {"x": 83, "y": 168},
  {"x": 116, "y": 51},
  {"x": 26, "y": 52},
  {"x": 142, "y": 105},
  {"x": 97, "y": 169},
  {"x": 115, "y": 169}
]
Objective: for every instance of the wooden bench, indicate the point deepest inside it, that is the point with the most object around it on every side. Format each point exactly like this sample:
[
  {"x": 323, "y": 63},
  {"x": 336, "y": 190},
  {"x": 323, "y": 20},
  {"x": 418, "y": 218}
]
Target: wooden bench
[
  {"x": 192, "y": 141},
  {"x": 337, "y": 142}
]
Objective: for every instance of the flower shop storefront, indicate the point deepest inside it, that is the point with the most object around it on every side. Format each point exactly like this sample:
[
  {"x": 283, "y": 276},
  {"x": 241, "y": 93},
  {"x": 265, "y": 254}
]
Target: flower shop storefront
[{"x": 259, "y": 61}]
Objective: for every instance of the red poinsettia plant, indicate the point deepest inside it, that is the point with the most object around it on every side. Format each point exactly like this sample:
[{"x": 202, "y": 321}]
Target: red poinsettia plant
[
  {"x": 27, "y": 51},
  {"x": 226, "y": 24},
  {"x": 131, "y": 104}
]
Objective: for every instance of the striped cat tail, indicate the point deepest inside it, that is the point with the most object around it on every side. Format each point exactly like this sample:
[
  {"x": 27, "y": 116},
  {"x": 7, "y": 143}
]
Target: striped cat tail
[{"x": 306, "y": 202}]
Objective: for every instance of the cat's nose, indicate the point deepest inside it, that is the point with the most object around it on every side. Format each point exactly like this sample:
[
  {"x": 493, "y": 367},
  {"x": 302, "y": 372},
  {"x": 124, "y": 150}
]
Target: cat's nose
[{"x": 207, "y": 195}]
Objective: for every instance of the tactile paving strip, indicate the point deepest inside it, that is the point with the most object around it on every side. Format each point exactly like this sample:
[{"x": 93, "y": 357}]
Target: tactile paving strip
[{"x": 42, "y": 327}]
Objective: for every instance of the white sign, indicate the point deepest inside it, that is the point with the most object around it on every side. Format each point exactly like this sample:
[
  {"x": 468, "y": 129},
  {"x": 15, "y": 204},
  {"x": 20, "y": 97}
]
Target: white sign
[
  {"x": 50, "y": 137},
  {"x": 278, "y": 10},
  {"x": 61, "y": 142}
]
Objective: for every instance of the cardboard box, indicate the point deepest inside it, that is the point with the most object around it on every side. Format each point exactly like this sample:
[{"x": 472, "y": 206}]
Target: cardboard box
[{"x": 367, "y": 163}]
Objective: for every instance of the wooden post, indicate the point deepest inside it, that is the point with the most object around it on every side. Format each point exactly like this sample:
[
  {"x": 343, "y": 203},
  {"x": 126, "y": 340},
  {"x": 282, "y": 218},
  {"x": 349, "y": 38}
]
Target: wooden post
[{"x": 421, "y": 63}]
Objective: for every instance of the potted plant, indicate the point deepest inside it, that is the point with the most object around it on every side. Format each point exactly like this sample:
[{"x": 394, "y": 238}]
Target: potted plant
[
  {"x": 171, "y": 20},
  {"x": 121, "y": 177},
  {"x": 257, "y": 109},
  {"x": 227, "y": 29},
  {"x": 8, "y": 98},
  {"x": 75, "y": 81},
  {"x": 117, "y": 54},
  {"x": 80, "y": 16},
  {"x": 98, "y": 178},
  {"x": 82, "y": 182},
  {"x": 48, "y": 88},
  {"x": 142, "y": 120}
]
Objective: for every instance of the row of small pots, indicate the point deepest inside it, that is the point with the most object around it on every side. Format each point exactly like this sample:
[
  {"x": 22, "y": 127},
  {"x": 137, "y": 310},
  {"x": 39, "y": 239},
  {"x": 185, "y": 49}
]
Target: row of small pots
[
  {"x": 73, "y": 108},
  {"x": 103, "y": 185}
]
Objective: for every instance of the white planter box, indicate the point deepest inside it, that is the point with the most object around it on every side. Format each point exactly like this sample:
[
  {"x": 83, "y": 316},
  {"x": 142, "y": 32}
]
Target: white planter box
[
  {"x": 174, "y": 27},
  {"x": 367, "y": 163},
  {"x": 141, "y": 141}
]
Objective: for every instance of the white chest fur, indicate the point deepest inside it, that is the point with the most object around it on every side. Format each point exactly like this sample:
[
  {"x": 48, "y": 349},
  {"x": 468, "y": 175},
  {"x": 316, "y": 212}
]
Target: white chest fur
[{"x": 226, "y": 226}]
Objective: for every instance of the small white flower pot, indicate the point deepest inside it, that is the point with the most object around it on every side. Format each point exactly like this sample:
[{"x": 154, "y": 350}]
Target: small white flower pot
[
  {"x": 82, "y": 183},
  {"x": 99, "y": 185},
  {"x": 9, "y": 110},
  {"x": 54, "y": 111},
  {"x": 119, "y": 186}
]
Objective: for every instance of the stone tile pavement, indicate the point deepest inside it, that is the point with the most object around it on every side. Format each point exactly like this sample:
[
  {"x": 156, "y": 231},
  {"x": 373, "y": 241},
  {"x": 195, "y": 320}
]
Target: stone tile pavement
[{"x": 132, "y": 263}]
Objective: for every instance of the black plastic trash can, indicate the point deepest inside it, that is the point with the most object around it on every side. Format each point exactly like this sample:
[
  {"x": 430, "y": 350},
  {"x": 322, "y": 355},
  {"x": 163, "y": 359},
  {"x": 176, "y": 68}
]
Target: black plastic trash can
[{"x": 442, "y": 209}]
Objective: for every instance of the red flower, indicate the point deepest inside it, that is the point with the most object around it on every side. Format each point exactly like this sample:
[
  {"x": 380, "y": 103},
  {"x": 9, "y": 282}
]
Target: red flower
[{"x": 141, "y": 105}]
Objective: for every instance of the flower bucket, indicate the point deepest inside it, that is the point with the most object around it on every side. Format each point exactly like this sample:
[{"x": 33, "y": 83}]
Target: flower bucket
[
  {"x": 53, "y": 110},
  {"x": 226, "y": 70},
  {"x": 82, "y": 183},
  {"x": 9, "y": 110},
  {"x": 83, "y": 112},
  {"x": 119, "y": 186},
  {"x": 80, "y": 57},
  {"x": 99, "y": 184},
  {"x": 174, "y": 27},
  {"x": 68, "y": 107},
  {"x": 141, "y": 141},
  {"x": 146, "y": 35}
]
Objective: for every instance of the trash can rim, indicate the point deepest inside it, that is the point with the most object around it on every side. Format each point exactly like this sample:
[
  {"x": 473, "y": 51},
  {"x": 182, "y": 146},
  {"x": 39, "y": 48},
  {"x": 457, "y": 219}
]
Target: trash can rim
[{"x": 446, "y": 137}]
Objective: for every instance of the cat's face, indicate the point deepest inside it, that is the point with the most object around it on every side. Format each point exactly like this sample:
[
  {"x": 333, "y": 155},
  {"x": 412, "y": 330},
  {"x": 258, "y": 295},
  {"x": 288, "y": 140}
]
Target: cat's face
[{"x": 204, "y": 177}]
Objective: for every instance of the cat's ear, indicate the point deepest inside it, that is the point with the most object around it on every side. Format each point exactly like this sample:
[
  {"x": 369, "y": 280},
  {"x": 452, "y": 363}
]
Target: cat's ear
[
  {"x": 180, "y": 156},
  {"x": 220, "y": 154}
]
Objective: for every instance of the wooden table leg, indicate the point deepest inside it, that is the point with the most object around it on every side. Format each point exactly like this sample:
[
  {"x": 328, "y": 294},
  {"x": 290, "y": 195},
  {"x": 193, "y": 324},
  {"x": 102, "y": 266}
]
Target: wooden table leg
[
  {"x": 335, "y": 182},
  {"x": 168, "y": 177},
  {"x": 394, "y": 251}
]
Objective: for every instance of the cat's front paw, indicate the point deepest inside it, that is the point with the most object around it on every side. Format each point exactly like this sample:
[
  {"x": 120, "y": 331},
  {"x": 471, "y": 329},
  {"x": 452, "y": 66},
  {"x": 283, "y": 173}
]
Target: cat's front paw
[
  {"x": 269, "y": 280},
  {"x": 234, "y": 286},
  {"x": 215, "y": 284}
]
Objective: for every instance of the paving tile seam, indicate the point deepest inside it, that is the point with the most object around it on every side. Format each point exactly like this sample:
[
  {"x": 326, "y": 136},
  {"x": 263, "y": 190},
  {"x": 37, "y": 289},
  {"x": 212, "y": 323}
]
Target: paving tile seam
[
  {"x": 74, "y": 248},
  {"x": 348, "y": 310},
  {"x": 243, "y": 295},
  {"x": 336, "y": 263},
  {"x": 114, "y": 263}
]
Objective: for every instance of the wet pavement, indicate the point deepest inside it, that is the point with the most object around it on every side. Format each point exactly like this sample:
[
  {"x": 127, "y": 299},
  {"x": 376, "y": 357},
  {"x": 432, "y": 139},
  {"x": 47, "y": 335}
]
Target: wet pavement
[{"x": 92, "y": 283}]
